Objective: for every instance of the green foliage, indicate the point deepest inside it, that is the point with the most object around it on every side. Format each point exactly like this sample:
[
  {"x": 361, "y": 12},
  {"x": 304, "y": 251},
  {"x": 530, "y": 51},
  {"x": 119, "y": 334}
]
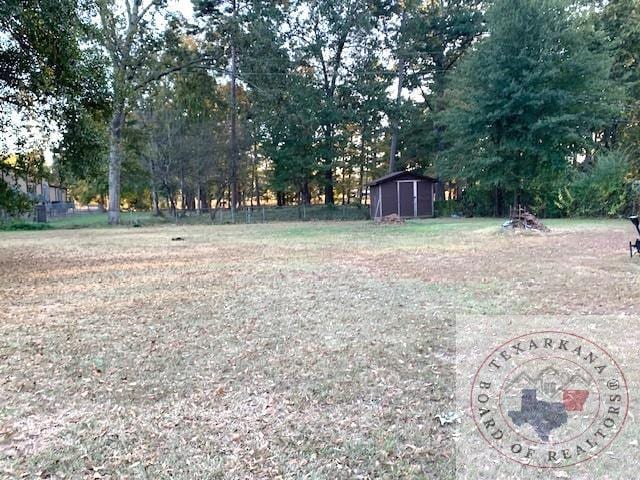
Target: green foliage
[
  {"x": 51, "y": 75},
  {"x": 437, "y": 36},
  {"x": 16, "y": 225},
  {"x": 30, "y": 165},
  {"x": 528, "y": 98},
  {"x": 181, "y": 146},
  {"x": 600, "y": 190},
  {"x": 620, "y": 21},
  {"x": 13, "y": 201},
  {"x": 81, "y": 157},
  {"x": 478, "y": 201},
  {"x": 38, "y": 50},
  {"x": 445, "y": 208}
]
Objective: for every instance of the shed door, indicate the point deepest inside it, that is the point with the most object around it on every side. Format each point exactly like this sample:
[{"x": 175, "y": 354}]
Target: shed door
[{"x": 407, "y": 198}]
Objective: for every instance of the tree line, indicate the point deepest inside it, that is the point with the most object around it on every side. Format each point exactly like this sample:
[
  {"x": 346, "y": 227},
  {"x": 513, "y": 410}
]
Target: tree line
[{"x": 305, "y": 101}]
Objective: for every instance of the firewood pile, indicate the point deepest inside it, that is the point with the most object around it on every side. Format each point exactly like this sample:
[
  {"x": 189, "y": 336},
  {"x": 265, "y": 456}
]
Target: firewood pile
[
  {"x": 390, "y": 219},
  {"x": 521, "y": 219}
]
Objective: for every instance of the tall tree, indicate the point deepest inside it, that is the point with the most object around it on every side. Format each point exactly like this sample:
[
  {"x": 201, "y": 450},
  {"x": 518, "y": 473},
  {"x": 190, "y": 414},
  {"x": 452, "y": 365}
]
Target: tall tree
[
  {"x": 528, "y": 98},
  {"x": 434, "y": 37},
  {"x": 620, "y": 20},
  {"x": 401, "y": 55},
  {"x": 223, "y": 21},
  {"x": 133, "y": 42},
  {"x": 332, "y": 31}
]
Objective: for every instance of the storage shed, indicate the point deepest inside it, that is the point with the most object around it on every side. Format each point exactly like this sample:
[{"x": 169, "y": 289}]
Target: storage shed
[{"x": 406, "y": 194}]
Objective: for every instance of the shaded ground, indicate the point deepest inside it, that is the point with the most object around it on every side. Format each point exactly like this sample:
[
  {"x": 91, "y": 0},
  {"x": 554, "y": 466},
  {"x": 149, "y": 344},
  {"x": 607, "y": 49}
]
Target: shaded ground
[{"x": 316, "y": 350}]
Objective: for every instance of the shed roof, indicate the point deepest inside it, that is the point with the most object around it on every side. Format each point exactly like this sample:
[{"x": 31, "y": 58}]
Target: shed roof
[{"x": 392, "y": 176}]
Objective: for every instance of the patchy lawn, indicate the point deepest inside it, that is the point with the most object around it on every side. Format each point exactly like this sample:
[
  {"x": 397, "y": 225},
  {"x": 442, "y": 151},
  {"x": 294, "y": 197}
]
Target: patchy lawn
[{"x": 311, "y": 350}]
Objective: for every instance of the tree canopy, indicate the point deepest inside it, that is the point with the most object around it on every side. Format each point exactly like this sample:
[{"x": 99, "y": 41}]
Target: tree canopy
[{"x": 528, "y": 98}]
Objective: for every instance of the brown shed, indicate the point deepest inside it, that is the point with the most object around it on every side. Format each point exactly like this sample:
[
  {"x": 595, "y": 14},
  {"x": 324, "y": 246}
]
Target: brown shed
[{"x": 406, "y": 194}]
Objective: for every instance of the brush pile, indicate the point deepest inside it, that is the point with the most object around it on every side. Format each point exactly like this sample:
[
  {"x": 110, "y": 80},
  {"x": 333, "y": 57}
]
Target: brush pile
[{"x": 521, "y": 219}]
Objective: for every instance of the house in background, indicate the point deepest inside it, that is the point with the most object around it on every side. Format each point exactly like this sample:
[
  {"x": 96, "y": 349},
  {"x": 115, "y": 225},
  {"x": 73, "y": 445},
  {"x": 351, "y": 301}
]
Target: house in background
[
  {"x": 407, "y": 194},
  {"x": 55, "y": 198}
]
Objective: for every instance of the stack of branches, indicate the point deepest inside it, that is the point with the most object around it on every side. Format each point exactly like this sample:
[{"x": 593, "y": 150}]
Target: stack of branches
[{"x": 521, "y": 219}]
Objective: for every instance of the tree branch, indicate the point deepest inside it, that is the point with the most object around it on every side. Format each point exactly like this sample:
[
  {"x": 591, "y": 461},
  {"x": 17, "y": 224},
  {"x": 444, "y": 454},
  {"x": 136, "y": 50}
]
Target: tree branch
[{"x": 155, "y": 76}]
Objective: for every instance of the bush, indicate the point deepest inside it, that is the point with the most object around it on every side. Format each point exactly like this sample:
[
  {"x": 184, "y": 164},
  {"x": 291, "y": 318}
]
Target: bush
[
  {"x": 445, "y": 208},
  {"x": 600, "y": 190},
  {"x": 22, "y": 225},
  {"x": 13, "y": 201},
  {"x": 476, "y": 201}
]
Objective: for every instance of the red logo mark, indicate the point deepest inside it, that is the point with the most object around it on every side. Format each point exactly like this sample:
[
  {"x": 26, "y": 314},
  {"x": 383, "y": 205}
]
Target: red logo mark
[{"x": 574, "y": 400}]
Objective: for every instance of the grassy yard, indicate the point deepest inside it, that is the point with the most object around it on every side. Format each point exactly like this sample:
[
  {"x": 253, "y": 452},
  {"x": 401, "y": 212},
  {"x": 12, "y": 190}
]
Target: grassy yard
[{"x": 302, "y": 350}]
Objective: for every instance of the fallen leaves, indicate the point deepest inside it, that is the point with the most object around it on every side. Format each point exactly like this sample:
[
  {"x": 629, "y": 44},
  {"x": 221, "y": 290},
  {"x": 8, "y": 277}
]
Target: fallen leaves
[{"x": 254, "y": 352}]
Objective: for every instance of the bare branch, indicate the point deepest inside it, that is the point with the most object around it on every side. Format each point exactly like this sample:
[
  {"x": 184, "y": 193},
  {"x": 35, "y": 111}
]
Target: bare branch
[
  {"x": 144, "y": 11},
  {"x": 108, "y": 32},
  {"x": 128, "y": 5},
  {"x": 155, "y": 76}
]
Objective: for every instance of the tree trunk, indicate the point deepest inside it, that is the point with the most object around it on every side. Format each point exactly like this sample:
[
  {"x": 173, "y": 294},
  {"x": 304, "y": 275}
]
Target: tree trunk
[
  {"x": 438, "y": 100},
  {"x": 328, "y": 174},
  {"x": 155, "y": 201},
  {"x": 115, "y": 163},
  {"x": 255, "y": 180},
  {"x": 172, "y": 202},
  {"x": 205, "y": 199},
  {"x": 305, "y": 193},
  {"x": 363, "y": 158},
  {"x": 395, "y": 124},
  {"x": 235, "y": 153},
  {"x": 183, "y": 193},
  {"x": 216, "y": 207},
  {"x": 328, "y": 188}
]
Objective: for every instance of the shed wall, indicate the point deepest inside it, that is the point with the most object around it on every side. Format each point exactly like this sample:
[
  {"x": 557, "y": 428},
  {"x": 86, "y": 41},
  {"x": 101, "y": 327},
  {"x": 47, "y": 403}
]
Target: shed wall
[
  {"x": 425, "y": 199},
  {"x": 388, "y": 191}
]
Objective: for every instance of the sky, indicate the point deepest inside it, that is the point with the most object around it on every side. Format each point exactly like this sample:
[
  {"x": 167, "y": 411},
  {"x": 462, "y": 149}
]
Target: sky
[
  {"x": 185, "y": 7},
  {"x": 37, "y": 139}
]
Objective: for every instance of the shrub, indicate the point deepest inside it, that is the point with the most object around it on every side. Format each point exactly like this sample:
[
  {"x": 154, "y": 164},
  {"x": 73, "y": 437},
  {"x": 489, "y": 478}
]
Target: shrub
[
  {"x": 600, "y": 190},
  {"x": 22, "y": 225},
  {"x": 13, "y": 201},
  {"x": 445, "y": 208}
]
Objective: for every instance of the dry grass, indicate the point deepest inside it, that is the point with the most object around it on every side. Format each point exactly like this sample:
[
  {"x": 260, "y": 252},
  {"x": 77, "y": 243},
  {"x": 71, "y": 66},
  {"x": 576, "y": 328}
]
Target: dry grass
[
  {"x": 476, "y": 336},
  {"x": 311, "y": 350}
]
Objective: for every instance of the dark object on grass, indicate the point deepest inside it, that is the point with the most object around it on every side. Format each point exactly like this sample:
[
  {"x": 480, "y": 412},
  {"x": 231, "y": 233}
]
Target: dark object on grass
[
  {"x": 636, "y": 222},
  {"x": 177, "y": 239}
]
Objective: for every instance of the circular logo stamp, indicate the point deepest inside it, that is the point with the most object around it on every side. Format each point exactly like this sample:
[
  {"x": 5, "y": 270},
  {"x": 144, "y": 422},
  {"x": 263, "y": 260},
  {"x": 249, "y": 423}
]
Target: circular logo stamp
[{"x": 549, "y": 399}]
